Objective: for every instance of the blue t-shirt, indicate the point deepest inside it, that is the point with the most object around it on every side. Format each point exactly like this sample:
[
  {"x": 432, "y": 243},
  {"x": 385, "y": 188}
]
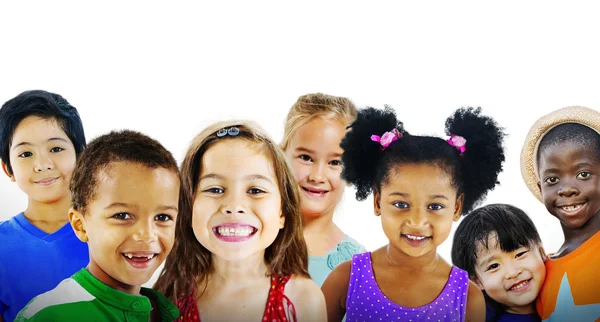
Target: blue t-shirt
[
  {"x": 33, "y": 262},
  {"x": 491, "y": 316},
  {"x": 319, "y": 267}
]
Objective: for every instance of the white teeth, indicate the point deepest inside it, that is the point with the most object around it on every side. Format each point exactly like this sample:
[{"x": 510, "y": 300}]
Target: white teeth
[
  {"x": 235, "y": 232},
  {"x": 130, "y": 256},
  {"x": 518, "y": 286},
  {"x": 571, "y": 208},
  {"x": 415, "y": 237}
]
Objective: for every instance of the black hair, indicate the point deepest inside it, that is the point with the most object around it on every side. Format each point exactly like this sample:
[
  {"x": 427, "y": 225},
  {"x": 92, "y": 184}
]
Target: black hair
[
  {"x": 473, "y": 172},
  {"x": 42, "y": 104},
  {"x": 116, "y": 146},
  {"x": 513, "y": 229},
  {"x": 571, "y": 132}
]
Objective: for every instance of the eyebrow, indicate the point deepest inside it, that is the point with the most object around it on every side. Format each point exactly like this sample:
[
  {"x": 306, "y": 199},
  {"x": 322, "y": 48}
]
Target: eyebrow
[
  {"x": 28, "y": 143},
  {"x": 248, "y": 177},
  {"x": 126, "y": 205},
  {"x": 406, "y": 195}
]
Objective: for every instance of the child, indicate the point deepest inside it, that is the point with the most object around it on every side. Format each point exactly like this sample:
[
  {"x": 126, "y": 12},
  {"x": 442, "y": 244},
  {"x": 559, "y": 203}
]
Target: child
[
  {"x": 41, "y": 136},
  {"x": 420, "y": 185},
  {"x": 239, "y": 253},
  {"x": 560, "y": 163},
  {"x": 125, "y": 191},
  {"x": 500, "y": 248},
  {"x": 314, "y": 128}
]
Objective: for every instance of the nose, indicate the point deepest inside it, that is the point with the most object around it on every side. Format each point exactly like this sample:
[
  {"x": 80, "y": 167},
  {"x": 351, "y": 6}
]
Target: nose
[
  {"x": 317, "y": 173},
  {"x": 512, "y": 270},
  {"x": 568, "y": 189},
  {"x": 418, "y": 218},
  {"x": 43, "y": 162},
  {"x": 233, "y": 204},
  {"x": 145, "y": 231}
]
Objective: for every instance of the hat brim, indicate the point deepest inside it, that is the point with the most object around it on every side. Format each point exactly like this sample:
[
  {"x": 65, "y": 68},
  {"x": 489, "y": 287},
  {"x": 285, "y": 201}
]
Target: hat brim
[{"x": 572, "y": 114}]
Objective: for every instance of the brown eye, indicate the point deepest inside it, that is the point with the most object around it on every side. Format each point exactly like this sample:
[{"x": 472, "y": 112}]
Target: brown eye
[
  {"x": 551, "y": 180},
  {"x": 305, "y": 158},
  {"x": 584, "y": 175}
]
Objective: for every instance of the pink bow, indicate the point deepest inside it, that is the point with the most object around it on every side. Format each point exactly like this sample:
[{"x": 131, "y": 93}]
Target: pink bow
[
  {"x": 387, "y": 138},
  {"x": 458, "y": 142}
]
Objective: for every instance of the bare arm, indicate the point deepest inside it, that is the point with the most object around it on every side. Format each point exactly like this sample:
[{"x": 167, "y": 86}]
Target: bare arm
[
  {"x": 308, "y": 299},
  {"x": 335, "y": 289},
  {"x": 475, "y": 304}
]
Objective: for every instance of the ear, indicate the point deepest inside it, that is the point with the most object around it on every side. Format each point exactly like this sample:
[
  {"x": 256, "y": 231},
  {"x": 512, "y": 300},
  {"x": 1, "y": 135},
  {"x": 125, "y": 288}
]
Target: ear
[
  {"x": 539, "y": 185},
  {"x": 5, "y": 168},
  {"x": 281, "y": 221},
  {"x": 478, "y": 283},
  {"x": 458, "y": 207},
  {"x": 78, "y": 223},
  {"x": 377, "y": 202},
  {"x": 543, "y": 253}
]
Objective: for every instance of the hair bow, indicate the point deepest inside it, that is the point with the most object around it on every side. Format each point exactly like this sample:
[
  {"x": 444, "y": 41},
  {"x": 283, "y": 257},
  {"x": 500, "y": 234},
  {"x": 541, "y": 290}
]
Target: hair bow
[
  {"x": 387, "y": 138},
  {"x": 458, "y": 142}
]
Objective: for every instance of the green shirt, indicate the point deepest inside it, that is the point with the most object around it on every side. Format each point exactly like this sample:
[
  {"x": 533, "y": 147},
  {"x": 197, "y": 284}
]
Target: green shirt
[{"x": 82, "y": 297}]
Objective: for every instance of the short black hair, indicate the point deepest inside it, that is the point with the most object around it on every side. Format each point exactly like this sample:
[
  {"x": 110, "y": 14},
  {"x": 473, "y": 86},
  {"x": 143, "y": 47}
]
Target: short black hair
[
  {"x": 116, "y": 146},
  {"x": 42, "y": 104},
  {"x": 474, "y": 172},
  {"x": 513, "y": 229},
  {"x": 512, "y": 226},
  {"x": 571, "y": 132}
]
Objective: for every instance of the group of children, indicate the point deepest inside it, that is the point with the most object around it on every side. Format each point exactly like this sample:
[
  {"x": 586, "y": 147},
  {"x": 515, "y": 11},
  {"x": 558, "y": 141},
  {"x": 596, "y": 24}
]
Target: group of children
[{"x": 245, "y": 226}]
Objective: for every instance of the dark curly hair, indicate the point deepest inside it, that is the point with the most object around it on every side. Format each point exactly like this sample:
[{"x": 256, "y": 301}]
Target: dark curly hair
[
  {"x": 116, "y": 146},
  {"x": 473, "y": 172},
  {"x": 570, "y": 132}
]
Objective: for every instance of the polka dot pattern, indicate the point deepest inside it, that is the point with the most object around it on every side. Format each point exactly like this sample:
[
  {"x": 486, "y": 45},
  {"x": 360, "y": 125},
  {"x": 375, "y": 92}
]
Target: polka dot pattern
[
  {"x": 366, "y": 302},
  {"x": 279, "y": 308}
]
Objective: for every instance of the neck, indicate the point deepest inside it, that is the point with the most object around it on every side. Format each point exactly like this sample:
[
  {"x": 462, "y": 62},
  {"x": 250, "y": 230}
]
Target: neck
[
  {"x": 103, "y": 277},
  {"x": 49, "y": 212},
  {"x": 574, "y": 237},
  {"x": 238, "y": 273},
  {"x": 318, "y": 224},
  {"x": 425, "y": 263},
  {"x": 526, "y": 309}
]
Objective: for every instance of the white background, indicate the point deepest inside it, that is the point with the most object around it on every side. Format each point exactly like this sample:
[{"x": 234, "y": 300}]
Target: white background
[{"x": 169, "y": 69}]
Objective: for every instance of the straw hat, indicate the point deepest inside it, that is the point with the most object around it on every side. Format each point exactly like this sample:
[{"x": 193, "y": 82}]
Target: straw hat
[{"x": 571, "y": 114}]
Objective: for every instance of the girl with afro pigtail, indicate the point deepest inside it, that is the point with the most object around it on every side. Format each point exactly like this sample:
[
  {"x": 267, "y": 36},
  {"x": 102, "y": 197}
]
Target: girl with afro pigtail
[{"x": 420, "y": 186}]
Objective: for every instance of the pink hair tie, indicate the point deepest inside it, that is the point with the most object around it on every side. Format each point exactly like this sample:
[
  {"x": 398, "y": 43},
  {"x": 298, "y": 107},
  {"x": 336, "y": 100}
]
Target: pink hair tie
[
  {"x": 458, "y": 142},
  {"x": 387, "y": 138}
]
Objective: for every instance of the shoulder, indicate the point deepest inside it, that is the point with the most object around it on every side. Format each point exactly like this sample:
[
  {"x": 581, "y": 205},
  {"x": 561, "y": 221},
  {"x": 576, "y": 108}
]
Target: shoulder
[
  {"x": 307, "y": 298},
  {"x": 9, "y": 226},
  {"x": 168, "y": 310},
  {"x": 475, "y": 303},
  {"x": 65, "y": 297}
]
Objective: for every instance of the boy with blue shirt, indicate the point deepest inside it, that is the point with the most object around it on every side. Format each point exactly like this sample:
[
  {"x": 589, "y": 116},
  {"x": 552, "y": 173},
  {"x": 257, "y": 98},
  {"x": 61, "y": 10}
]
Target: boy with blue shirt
[
  {"x": 41, "y": 137},
  {"x": 125, "y": 191}
]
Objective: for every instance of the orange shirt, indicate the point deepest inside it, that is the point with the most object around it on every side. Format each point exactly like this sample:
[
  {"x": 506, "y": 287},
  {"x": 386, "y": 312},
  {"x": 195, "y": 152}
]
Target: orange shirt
[{"x": 571, "y": 291}]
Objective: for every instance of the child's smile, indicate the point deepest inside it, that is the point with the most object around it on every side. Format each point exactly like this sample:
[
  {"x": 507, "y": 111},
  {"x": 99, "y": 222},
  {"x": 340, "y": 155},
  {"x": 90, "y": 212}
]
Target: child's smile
[{"x": 570, "y": 183}]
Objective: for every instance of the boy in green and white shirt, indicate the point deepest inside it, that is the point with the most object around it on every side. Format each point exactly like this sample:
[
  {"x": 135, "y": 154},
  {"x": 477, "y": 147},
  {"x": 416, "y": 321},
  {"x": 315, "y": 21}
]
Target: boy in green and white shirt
[{"x": 125, "y": 193}]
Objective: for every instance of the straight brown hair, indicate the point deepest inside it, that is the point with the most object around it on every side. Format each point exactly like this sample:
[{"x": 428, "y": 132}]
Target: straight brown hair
[{"x": 189, "y": 263}]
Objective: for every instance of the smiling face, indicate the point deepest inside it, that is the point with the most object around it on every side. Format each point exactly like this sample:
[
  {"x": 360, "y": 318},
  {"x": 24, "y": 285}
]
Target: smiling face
[
  {"x": 513, "y": 279},
  {"x": 570, "y": 183},
  {"x": 314, "y": 154},
  {"x": 417, "y": 206},
  {"x": 42, "y": 159},
  {"x": 130, "y": 223},
  {"x": 237, "y": 208}
]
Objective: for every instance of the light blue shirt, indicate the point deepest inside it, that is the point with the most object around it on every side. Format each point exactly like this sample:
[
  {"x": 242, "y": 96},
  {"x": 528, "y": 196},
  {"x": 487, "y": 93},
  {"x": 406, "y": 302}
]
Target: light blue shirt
[{"x": 319, "y": 267}]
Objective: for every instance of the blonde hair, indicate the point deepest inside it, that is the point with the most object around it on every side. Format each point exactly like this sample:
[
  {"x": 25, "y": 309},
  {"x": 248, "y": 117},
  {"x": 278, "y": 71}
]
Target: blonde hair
[
  {"x": 189, "y": 263},
  {"x": 310, "y": 106}
]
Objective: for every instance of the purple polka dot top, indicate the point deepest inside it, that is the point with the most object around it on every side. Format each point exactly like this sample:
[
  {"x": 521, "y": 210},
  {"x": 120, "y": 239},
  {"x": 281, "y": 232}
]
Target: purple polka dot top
[{"x": 366, "y": 302}]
